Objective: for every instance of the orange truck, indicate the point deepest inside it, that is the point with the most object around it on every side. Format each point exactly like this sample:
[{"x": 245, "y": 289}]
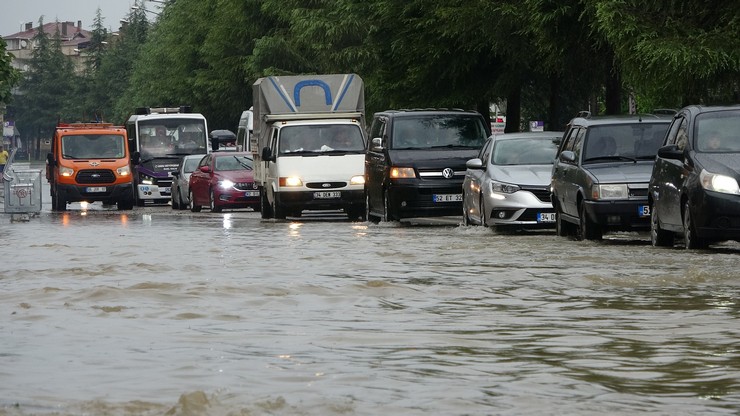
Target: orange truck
[{"x": 89, "y": 162}]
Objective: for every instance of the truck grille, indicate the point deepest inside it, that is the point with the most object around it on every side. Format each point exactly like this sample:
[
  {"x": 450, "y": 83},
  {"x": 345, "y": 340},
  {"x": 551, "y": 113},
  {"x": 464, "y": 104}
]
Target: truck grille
[
  {"x": 325, "y": 185},
  {"x": 95, "y": 176}
]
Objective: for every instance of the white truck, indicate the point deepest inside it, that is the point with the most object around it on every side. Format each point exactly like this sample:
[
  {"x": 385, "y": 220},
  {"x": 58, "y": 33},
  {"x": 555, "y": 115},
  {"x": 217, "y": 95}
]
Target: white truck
[{"x": 310, "y": 152}]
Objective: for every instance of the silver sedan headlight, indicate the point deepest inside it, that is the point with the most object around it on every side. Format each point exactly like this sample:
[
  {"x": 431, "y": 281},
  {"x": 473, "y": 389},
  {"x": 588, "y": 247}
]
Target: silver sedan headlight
[{"x": 504, "y": 188}]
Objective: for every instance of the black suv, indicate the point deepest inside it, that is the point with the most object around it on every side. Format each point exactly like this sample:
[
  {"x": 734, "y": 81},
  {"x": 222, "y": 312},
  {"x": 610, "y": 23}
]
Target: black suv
[
  {"x": 694, "y": 187},
  {"x": 601, "y": 174},
  {"x": 415, "y": 161}
]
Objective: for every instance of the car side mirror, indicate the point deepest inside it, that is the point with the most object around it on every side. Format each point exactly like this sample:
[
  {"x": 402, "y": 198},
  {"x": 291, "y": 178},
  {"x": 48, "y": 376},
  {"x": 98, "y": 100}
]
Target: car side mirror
[
  {"x": 267, "y": 154},
  {"x": 474, "y": 164},
  {"x": 376, "y": 144},
  {"x": 670, "y": 151},
  {"x": 205, "y": 169},
  {"x": 50, "y": 159},
  {"x": 567, "y": 156}
]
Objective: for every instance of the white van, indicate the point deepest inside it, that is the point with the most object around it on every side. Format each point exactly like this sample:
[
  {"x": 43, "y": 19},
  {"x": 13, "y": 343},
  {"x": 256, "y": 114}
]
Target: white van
[{"x": 244, "y": 132}]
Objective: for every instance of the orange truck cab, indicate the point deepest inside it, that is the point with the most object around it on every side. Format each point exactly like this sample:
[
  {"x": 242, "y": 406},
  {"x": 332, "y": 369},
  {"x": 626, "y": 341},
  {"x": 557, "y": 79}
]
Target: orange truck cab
[{"x": 89, "y": 162}]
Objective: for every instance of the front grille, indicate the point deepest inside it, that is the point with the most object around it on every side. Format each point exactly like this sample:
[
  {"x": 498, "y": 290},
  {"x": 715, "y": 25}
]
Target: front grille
[
  {"x": 638, "y": 193},
  {"x": 245, "y": 186},
  {"x": 94, "y": 176},
  {"x": 325, "y": 185},
  {"x": 542, "y": 193}
]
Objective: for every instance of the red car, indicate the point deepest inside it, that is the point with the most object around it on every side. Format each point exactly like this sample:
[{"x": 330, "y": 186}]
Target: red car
[{"x": 224, "y": 180}]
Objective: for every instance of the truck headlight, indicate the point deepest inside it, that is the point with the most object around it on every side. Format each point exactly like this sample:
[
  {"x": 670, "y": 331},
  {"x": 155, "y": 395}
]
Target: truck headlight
[
  {"x": 146, "y": 180},
  {"x": 225, "y": 184},
  {"x": 124, "y": 171},
  {"x": 611, "y": 191},
  {"x": 718, "y": 183},
  {"x": 290, "y": 181},
  {"x": 402, "y": 173},
  {"x": 65, "y": 171},
  {"x": 357, "y": 180}
]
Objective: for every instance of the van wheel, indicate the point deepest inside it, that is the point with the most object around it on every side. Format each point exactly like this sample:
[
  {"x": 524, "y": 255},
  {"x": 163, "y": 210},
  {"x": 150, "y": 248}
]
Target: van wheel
[
  {"x": 387, "y": 214},
  {"x": 279, "y": 211},
  {"x": 59, "y": 201},
  {"x": 265, "y": 208},
  {"x": 193, "y": 206},
  {"x": 370, "y": 216},
  {"x": 125, "y": 204}
]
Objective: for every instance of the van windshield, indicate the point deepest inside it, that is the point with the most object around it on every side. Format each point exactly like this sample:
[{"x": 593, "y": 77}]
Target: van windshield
[
  {"x": 321, "y": 139},
  {"x": 438, "y": 131},
  {"x": 93, "y": 146}
]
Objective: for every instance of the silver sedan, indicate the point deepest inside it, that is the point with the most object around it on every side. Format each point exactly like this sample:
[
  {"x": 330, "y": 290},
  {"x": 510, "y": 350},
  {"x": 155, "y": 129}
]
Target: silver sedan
[
  {"x": 181, "y": 181},
  {"x": 508, "y": 185}
]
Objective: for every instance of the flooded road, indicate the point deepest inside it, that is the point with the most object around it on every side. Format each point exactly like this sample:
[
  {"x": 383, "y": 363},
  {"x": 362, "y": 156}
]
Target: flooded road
[{"x": 154, "y": 312}]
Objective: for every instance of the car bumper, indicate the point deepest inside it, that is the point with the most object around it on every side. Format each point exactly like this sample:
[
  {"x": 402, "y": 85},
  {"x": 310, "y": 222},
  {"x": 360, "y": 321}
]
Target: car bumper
[
  {"x": 157, "y": 192},
  {"x": 521, "y": 208},
  {"x": 717, "y": 216},
  {"x": 236, "y": 198},
  {"x": 119, "y": 192},
  {"x": 409, "y": 201},
  {"x": 619, "y": 215}
]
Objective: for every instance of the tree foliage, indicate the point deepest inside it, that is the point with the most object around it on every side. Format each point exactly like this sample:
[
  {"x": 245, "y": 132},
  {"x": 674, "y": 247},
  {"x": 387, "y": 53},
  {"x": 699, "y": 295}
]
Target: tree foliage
[{"x": 9, "y": 76}]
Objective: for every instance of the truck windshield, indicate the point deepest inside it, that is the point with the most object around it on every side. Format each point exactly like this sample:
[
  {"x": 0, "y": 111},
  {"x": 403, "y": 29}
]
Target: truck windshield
[
  {"x": 330, "y": 138},
  {"x": 93, "y": 146},
  {"x": 171, "y": 137},
  {"x": 438, "y": 131}
]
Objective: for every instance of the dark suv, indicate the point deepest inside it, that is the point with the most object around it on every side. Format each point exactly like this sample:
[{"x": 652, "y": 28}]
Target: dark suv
[
  {"x": 415, "y": 161},
  {"x": 601, "y": 174},
  {"x": 694, "y": 187}
]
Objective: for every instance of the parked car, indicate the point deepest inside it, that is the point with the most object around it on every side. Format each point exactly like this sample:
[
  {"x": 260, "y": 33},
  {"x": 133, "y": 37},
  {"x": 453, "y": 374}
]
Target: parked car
[
  {"x": 223, "y": 140},
  {"x": 508, "y": 185},
  {"x": 415, "y": 162},
  {"x": 180, "y": 193},
  {"x": 601, "y": 174},
  {"x": 224, "y": 180},
  {"x": 694, "y": 185}
]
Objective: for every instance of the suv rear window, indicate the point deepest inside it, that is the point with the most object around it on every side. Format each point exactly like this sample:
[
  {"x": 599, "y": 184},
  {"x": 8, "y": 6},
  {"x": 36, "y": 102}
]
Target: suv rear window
[{"x": 439, "y": 130}]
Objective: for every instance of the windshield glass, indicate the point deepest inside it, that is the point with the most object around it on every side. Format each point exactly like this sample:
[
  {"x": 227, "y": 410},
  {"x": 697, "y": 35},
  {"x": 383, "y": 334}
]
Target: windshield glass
[
  {"x": 342, "y": 138},
  {"x": 631, "y": 141},
  {"x": 93, "y": 146},
  {"x": 717, "y": 132},
  {"x": 224, "y": 163},
  {"x": 438, "y": 130},
  {"x": 529, "y": 151},
  {"x": 171, "y": 137}
]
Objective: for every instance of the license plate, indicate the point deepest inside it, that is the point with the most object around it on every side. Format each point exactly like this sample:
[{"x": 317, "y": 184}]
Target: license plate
[
  {"x": 96, "y": 189},
  {"x": 447, "y": 197},
  {"x": 252, "y": 193},
  {"x": 327, "y": 194},
  {"x": 643, "y": 210},
  {"x": 546, "y": 217},
  {"x": 165, "y": 189}
]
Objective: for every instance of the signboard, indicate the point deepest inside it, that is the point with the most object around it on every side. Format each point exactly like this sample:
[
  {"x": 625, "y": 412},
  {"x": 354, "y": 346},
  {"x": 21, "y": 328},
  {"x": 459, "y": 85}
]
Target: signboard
[{"x": 537, "y": 125}]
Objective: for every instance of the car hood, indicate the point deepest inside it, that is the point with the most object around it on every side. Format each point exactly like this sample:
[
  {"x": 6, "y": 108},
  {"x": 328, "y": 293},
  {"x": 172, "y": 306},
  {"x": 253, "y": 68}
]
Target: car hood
[
  {"x": 720, "y": 163},
  {"x": 537, "y": 175},
  {"x": 622, "y": 172},
  {"x": 236, "y": 175},
  {"x": 432, "y": 158}
]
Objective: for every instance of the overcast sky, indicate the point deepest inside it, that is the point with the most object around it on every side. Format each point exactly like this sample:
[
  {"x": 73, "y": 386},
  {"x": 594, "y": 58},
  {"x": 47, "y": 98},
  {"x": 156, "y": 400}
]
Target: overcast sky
[{"x": 15, "y": 13}]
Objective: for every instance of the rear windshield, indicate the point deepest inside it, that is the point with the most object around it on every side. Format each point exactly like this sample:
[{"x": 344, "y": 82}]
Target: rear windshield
[
  {"x": 93, "y": 146},
  {"x": 438, "y": 131},
  {"x": 632, "y": 141}
]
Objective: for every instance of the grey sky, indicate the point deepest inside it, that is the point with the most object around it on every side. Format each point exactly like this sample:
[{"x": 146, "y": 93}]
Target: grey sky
[{"x": 15, "y": 13}]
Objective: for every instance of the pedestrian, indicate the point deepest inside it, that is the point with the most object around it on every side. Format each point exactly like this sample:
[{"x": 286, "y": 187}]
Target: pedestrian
[{"x": 3, "y": 158}]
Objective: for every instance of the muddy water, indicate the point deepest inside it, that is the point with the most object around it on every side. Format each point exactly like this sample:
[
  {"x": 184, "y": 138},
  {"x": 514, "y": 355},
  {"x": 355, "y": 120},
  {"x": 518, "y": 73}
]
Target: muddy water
[{"x": 158, "y": 312}]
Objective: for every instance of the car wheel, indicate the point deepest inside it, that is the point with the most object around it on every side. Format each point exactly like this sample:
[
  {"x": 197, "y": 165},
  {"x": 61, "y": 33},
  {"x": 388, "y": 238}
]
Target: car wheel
[
  {"x": 125, "y": 204},
  {"x": 562, "y": 227},
  {"x": 387, "y": 213},
  {"x": 174, "y": 200},
  {"x": 265, "y": 208},
  {"x": 658, "y": 236},
  {"x": 465, "y": 219},
  {"x": 214, "y": 207},
  {"x": 193, "y": 206},
  {"x": 588, "y": 229},
  {"x": 483, "y": 220},
  {"x": 370, "y": 217},
  {"x": 691, "y": 240}
]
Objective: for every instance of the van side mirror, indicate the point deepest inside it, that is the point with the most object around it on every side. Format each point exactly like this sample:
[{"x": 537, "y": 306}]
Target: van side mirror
[
  {"x": 267, "y": 154},
  {"x": 376, "y": 144},
  {"x": 567, "y": 156}
]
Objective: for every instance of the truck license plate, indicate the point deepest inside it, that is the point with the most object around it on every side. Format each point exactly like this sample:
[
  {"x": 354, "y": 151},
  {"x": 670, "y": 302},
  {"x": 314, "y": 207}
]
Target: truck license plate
[
  {"x": 447, "y": 197},
  {"x": 327, "y": 194},
  {"x": 96, "y": 189}
]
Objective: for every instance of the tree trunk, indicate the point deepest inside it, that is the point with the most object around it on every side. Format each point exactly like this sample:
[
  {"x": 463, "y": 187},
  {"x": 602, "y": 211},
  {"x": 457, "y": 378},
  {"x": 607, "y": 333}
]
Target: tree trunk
[
  {"x": 613, "y": 99},
  {"x": 514, "y": 110}
]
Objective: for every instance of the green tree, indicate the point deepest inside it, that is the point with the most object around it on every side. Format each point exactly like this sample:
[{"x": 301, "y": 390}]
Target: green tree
[{"x": 9, "y": 76}]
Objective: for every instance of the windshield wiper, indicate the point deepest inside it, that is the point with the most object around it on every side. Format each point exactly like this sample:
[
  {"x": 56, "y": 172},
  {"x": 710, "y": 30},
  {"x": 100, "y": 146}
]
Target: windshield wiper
[
  {"x": 610, "y": 158},
  {"x": 244, "y": 165},
  {"x": 452, "y": 146}
]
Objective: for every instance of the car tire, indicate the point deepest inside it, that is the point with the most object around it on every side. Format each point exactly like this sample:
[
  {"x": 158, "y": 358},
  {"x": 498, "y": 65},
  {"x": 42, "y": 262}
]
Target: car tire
[
  {"x": 212, "y": 198},
  {"x": 174, "y": 199},
  {"x": 483, "y": 220},
  {"x": 658, "y": 236},
  {"x": 59, "y": 201},
  {"x": 465, "y": 218},
  {"x": 562, "y": 227},
  {"x": 691, "y": 240},
  {"x": 125, "y": 204},
  {"x": 368, "y": 214},
  {"x": 588, "y": 230},
  {"x": 193, "y": 206}
]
